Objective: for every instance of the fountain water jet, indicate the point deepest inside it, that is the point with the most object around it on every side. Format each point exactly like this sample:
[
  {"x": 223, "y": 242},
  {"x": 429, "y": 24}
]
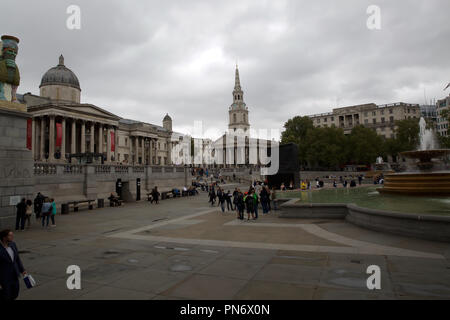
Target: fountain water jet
[{"x": 430, "y": 177}]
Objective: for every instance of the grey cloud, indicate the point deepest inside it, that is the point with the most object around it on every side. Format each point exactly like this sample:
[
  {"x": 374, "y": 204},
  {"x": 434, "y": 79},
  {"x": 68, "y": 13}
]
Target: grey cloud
[{"x": 141, "y": 59}]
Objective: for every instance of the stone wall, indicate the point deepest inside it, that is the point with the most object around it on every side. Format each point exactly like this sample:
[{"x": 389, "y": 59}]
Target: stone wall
[
  {"x": 77, "y": 182},
  {"x": 16, "y": 163}
]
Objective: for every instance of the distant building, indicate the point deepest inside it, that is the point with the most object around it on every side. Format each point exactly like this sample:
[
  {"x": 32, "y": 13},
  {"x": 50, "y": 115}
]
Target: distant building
[
  {"x": 63, "y": 127},
  {"x": 429, "y": 112},
  {"x": 381, "y": 118},
  {"x": 442, "y": 122}
]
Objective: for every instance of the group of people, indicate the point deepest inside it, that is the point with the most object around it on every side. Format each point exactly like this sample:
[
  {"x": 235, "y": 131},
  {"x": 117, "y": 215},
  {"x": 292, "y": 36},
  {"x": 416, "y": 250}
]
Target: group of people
[
  {"x": 44, "y": 209},
  {"x": 244, "y": 201}
]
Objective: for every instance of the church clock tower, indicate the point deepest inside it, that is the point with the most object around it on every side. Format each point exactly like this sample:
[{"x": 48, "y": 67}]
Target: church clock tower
[{"x": 238, "y": 111}]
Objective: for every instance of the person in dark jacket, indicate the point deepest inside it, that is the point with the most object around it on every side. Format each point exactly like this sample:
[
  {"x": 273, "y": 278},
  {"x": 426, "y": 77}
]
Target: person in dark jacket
[
  {"x": 38, "y": 202},
  {"x": 240, "y": 205},
  {"x": 11, "y": 267},
  {"x": 249, "y": 203},
  {"x": 228, "y": 196},
  {"x": 155, "y": 195},
  {"x": 21, "y": 212}
]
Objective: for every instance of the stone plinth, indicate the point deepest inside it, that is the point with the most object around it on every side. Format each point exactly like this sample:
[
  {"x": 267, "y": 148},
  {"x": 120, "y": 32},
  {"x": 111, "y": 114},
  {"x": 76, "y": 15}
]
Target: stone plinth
[{"x": 16, "y": 162}]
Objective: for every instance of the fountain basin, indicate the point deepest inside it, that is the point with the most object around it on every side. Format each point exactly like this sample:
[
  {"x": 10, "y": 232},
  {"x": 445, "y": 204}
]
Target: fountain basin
[{"x": 417, "y": 183}]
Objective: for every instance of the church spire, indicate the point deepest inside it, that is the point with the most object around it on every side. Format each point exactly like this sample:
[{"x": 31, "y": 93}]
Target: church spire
[
  {"x": 238, "y": 94},
  {"x": 237, "y": 82}
]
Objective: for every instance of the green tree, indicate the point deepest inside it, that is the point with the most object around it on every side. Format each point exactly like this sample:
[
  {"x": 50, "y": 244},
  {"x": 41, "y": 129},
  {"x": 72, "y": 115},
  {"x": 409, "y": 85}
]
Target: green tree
[
  {"x": 326, "y": 148},
  {"x": 296, "y": 131},
  {"x": 364, "y": 146},
  {"x": 407, "y": 134}
]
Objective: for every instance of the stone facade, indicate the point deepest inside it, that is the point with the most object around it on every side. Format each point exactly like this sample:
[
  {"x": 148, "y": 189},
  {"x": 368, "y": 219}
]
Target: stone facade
[
  {"x": 64, "y": 130},
  {"x": 16, "y": 163},
  {"x": 380, "y": 118},
  {"x": 442, "y": 122}
]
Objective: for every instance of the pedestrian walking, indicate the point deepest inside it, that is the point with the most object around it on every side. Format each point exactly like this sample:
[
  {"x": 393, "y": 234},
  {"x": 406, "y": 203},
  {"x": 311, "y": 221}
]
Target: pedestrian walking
[
  {"x": 221, "y": 197},
  {"x": 28, "y": 213},
  {"x": 11, "y": 267},
  {"x": 46, "y": 211},
  {"x": 155, "y": 195},
  {"x": 38, "y": 202},
  {"x": 255, "y": 204},
  {"x": 228, "y": 196},
  {"x": 264, "y": 196},
  {"x": 53, "y": 213},
  {"x": 20, "y": 214},
  {"x": 249, "y": 204},
  {"x": 240, "y": 205}
]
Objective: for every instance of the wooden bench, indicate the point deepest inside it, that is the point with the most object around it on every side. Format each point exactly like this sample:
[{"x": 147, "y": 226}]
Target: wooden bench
[{"x": 76, "y": 204}]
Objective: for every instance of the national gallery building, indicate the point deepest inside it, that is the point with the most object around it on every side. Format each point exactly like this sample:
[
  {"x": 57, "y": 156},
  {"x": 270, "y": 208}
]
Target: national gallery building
[{"x": 64, "y": 130}]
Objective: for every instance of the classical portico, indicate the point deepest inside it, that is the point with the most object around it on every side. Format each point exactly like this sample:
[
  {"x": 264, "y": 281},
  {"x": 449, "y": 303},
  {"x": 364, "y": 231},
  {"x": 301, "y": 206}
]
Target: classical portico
[{"x": 64, "y": 129}]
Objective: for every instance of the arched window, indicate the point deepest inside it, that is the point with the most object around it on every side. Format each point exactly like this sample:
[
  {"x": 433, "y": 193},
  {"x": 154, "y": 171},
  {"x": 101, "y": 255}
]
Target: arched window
[{"x": 234, "y": 117}]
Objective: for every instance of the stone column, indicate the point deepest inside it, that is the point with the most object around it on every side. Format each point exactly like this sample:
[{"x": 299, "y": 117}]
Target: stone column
[
  {"x": 83, "y": 136},
  {"x": 92, "y": 131},
  {"x": 136, "y": 153},
  {"x": 143, "y": 150},
  {"x": 73, "y": 143},
  {"x": 63, "y": 140},
  {"x": 130, "y": 153},
  {"x": 150, "y": 152},
  {"x": 108, "y": 144},
  {"x": 100, "y": 138},
  {"x": 33, "y": 138},
  {"x": 169, "y": 151},
  {"x": 116, "y": 145},
  {"x": 51, "y": 140},
  {"x": 42, "y": 141}
]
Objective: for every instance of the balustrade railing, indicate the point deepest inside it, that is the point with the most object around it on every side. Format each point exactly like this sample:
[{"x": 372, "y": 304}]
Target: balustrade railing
[
  {"x": 120, "y": 169},
  {"x": 102, "y": 169},
  {"x": 138, "y": 169},
  {"x": 43, "y": 169},
  {"x": 73, "y": 169}
]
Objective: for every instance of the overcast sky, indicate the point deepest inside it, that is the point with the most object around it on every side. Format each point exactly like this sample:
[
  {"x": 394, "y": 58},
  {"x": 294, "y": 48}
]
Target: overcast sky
[{"x": 143, "y": 59}]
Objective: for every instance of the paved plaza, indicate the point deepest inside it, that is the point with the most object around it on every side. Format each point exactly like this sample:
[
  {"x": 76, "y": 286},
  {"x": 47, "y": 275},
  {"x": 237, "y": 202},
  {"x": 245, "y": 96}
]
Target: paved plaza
[{"x": 185, "y": 249}]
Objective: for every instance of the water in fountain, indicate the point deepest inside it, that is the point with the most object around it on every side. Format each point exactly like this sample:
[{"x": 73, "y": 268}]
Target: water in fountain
[{"x": 428, "y": 139}]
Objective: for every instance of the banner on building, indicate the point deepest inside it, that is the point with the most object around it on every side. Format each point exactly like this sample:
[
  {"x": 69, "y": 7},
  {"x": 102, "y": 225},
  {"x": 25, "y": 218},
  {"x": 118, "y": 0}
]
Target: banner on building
[
  {"x": 113, "y": 142},
  {"x": 58, "y": 134},
  {"x": 29, "y": 133}
]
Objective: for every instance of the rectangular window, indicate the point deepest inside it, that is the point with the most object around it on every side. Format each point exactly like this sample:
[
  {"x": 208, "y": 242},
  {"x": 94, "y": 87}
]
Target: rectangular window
[
  {"x": 374, "y": 113},
  {"x": 391, "y": 119},
  {"x": 325, "y": 120},
  {"x": 382, "y": 112},
  {"x": 391, "y": 111},
  {"x": 332, "y": 118},
  {"x": 382, "y": 120},
  {"x": 366, "y": 114},
  {"x": 374, "y": 121},
  {"x": 366, "y": 121}
]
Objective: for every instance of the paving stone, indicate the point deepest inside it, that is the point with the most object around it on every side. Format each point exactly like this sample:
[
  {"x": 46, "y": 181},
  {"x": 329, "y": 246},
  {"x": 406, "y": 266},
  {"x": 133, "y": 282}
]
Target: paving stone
[{"x": 200, "y": 287}]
